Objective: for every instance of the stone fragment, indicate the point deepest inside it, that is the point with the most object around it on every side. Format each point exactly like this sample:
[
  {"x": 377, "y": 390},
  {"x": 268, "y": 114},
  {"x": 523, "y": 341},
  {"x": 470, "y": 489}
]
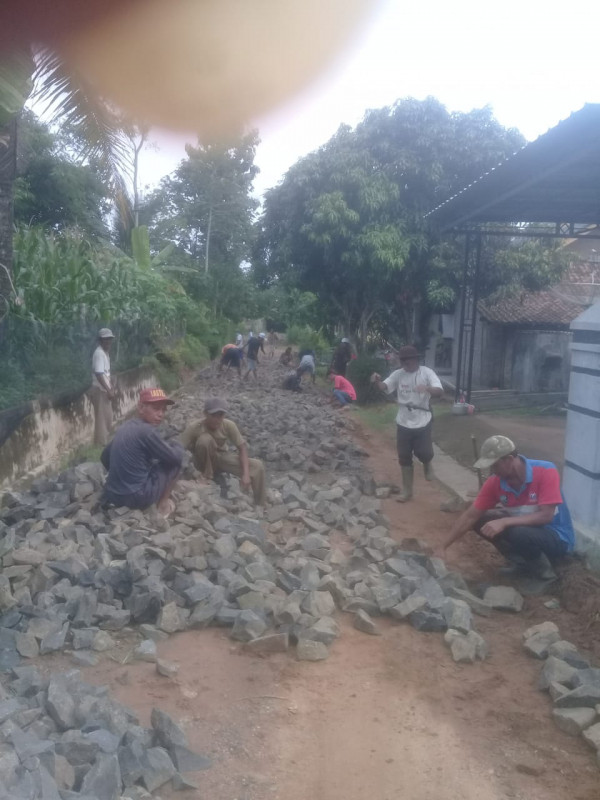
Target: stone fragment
[
  {"x": 318, "y": 604},
  {"x": 167, "y": 732},
  {"x": 166, "y": 668},
  {"x": 503, "y": 598},
  {"x": 309, "y": 650},
  {"x": 324, "y": 630},
  {"x": 158, "y": 768},
  {"x": 556, "y": 690},
  {"x": 476, "y": 604},
  {"x": 542, "y": 627},
  {"x": 248, "y": 625},
  {"x": 277, "y": 513},
  {"x": 103, "y": 780},
  {"x": 466, "y": 648},
  {"x": 412, "y": 603},
  {"x": 557, "y": 671},
  {"x": 102, "y": 641},
  {"x": 146, "y": 651},
  {"x": 457, "y": 614},
  {"x": 272, "y": 643},
  {"x": 26, "y": 645},
  {"x": 537, "y": 639},
  {"x": 586, "y": 677},
  {"x": 171, "y": 618},
  {"x": 84, "y": 658},
  {"x": 582, "y": 697},
  {"x": 428, "y": 620},
  {"x": 363, "y": 622},
  {"x": 60, "y": 703},
  {"x": 592, "y": 736},
  {"x": 187, "y": 761},
  {"x": 573, "y": 720},
  {"x": 567, "y": 651}
]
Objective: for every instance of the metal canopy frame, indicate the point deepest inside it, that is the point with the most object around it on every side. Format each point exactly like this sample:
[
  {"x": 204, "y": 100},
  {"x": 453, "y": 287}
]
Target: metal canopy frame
[{"x": 550, "y": 188}]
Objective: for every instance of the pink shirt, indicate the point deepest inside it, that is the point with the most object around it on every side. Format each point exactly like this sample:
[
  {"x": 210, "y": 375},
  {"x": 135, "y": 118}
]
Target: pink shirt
[{"x": 345, "y": 386}]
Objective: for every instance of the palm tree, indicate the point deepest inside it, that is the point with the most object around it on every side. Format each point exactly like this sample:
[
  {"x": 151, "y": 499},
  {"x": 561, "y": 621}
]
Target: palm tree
[{"x": 67, "y": 97}]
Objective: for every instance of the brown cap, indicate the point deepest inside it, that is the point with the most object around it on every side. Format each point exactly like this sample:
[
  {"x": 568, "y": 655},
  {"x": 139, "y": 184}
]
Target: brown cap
[
  {"x": 408, "y": 351},
  {"x": 155, "y": 396},
  {"x": 215, "y": 405}
]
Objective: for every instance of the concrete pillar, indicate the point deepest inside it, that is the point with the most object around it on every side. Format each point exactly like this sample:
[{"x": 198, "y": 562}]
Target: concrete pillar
[{"x": 581, "y": 478}]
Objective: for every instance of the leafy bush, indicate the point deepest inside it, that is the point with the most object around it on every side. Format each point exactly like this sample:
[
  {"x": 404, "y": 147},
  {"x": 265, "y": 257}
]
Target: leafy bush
[
  {"x": 359, "y": 374},
  {"x": 167, "y": 375},
  {"x": 306, "y": 337},
  {"x": 192, "y": 351},
  {"x": 12, "y": 389}
]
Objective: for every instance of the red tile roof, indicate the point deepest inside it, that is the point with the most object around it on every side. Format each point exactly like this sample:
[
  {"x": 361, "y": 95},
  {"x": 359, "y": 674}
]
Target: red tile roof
[{"x": 556, "y": 307}]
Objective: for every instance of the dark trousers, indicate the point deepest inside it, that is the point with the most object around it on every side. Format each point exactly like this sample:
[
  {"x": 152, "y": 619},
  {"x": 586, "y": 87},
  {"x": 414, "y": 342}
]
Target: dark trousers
[
  {"x": 415, "y": 441},
  {"x": 524, "y": 542}
]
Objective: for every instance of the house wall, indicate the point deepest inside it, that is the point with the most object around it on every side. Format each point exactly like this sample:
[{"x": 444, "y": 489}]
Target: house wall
[
  {"x": 536, "y": 361},
  {"x": 509, "y": 357}
]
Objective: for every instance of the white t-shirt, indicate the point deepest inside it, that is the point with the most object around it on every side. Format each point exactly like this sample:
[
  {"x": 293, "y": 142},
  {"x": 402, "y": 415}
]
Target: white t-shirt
[
  {"x": 413, "y": 411},
  {"x": 101, "y": 364}
]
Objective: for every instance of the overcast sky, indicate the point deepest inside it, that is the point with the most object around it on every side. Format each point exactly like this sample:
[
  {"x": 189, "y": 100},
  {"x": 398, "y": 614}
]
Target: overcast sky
[{"x": 532, "y": 61}]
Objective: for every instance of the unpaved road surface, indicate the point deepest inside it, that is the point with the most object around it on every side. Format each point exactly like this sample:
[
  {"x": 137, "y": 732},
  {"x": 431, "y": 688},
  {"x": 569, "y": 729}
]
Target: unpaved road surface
[{"x": 384, "y": 717}]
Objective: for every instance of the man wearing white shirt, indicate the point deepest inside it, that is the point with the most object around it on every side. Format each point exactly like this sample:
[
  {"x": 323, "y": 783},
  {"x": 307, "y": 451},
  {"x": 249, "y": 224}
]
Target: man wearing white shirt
[
  {"x": 414, "y": 386},
  {"x": 102, "y": 390}
]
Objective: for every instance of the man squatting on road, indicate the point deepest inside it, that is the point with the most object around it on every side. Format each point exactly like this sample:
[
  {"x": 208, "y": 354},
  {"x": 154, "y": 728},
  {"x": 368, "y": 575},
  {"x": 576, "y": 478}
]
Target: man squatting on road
[
  {"x": 142, "y": 467},
  {"x": 532, "y": 526},
  {"x": 414, "y": 386},
  {"x": 207, "y": 441},
  {"x": 101, "y": 393}
]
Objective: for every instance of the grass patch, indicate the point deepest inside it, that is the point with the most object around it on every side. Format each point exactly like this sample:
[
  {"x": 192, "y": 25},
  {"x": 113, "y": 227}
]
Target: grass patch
[
  {"x": 81, "y": 454},
  {"x": 555, "y": 410},
  {"x": 379, "y": 417}
]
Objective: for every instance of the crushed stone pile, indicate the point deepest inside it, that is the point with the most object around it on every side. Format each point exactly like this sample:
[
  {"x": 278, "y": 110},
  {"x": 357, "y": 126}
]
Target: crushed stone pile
[
  {"x": 76, "y": 576},
  {"x": 571, "y": 681}
]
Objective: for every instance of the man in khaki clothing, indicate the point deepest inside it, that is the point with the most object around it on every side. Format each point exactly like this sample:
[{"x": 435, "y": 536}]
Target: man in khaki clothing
[
  {"x": 207, "y": 441},
  {"x": 102, "y": 391}
]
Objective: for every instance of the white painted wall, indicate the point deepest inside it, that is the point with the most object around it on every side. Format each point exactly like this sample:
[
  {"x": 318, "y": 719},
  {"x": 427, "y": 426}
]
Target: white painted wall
[{"x": 581, "y": 477}]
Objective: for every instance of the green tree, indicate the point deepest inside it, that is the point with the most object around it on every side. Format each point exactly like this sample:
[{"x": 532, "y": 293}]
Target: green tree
[
  {"x": 68, "y": 97},
  {"x": 206, "y": 210},
  {"x": 52, "y": 189},
  {"x": 347, "y": 221}
]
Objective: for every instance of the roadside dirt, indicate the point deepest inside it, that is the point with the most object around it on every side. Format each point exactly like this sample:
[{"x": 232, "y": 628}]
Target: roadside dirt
[
  {"x": 536, "y": 436},
  {"x": 384, "y": 717}
]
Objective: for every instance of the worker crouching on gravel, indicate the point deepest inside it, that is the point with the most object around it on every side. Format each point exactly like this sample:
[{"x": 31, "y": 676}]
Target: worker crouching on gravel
[
  {"x": 207, "y": 441},
  {"x": 414, "y": 386},
  {"x": 520, "y": 509}
]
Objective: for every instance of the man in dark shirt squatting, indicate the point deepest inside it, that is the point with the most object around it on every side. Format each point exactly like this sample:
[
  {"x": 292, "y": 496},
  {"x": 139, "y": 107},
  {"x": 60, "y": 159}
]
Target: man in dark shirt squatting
[{"x": 142, "y": 467}]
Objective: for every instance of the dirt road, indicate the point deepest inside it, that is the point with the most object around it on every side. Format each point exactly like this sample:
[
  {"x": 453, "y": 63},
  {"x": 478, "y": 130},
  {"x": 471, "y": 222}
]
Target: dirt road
[
  {"x": 384, "y": 717},
  {"x": 536, "y": 436}
]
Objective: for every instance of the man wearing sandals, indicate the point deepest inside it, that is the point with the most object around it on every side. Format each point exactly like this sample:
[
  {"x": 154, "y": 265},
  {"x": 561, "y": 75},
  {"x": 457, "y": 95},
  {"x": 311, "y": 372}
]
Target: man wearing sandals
[
  {"x": 208, "y": 440},
  {"x": 142, "y": 467}
]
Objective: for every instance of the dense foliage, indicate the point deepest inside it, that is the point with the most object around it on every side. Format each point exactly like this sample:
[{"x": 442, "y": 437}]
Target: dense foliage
[{"x": 347, "y": 222}]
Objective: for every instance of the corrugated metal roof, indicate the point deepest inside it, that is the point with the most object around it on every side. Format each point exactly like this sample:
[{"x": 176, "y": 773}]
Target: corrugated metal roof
[{"x": 555, "y": 179}]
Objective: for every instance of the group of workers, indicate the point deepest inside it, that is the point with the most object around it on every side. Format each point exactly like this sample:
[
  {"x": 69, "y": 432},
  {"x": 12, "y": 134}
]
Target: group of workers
[
  {"x": 520, "y": 508},
  {"x": 143, "y": 467},
  {"x": 232, "y": 355}
]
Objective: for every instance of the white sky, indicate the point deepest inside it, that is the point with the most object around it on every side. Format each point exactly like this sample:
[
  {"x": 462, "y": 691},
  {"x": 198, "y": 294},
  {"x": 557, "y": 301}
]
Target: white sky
[{"x": 532, "y": 61}]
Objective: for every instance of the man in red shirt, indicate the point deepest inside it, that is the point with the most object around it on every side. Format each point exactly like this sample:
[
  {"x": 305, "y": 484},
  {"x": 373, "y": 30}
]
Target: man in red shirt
[
  {"x": 343, "y": 391},
  {"x": 520, "y": 509}
]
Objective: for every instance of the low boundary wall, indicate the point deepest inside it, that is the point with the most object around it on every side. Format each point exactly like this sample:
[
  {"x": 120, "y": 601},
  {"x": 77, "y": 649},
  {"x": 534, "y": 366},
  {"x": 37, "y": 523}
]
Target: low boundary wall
[{"x": 36, "y": 435}]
